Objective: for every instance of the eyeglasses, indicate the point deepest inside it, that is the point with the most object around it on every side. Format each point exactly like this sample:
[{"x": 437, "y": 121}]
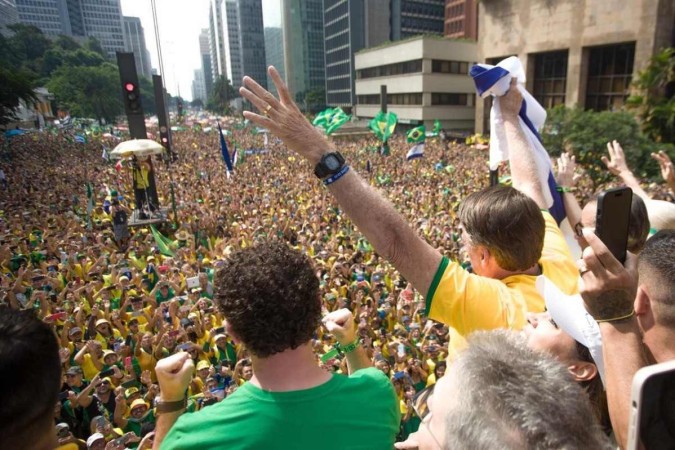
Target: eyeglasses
[{"x": 421, "y": 407}]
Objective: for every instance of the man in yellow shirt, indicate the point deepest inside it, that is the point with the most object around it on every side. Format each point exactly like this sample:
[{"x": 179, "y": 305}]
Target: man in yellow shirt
[{"x": 509, "y": 240}]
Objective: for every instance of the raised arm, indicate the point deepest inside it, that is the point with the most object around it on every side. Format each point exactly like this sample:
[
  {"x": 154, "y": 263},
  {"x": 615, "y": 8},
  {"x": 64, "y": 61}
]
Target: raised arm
[
  {"x": 667, "y": 171},
  {"x": 616, "y": 163},
  {"x": 375, "y": 217},
  {"x": 524, "y": 171},
  {"x": 566, "y": 181}
]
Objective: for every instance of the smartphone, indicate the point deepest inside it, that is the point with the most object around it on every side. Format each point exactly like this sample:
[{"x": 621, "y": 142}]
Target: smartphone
[
  {"x": 612, "y": 218},
  {"x": 106, "y": 373},
  {"x": 131, "y": 383},
  {"x": 653, "y": 408},
  {"x": 220, "y": 330},
  {"x": 63, "y": 396},
  {"x": 192, "y": 282},
  {"x": 127, "y": 361},
  {"x": 57, "y": 316}
]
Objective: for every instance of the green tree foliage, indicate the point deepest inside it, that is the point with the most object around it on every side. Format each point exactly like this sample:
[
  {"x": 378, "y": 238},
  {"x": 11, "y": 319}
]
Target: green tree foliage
[
  {"x": 655, "y": 99},
  {"x": 315, "y": 100},
  {"x": 147, "y": 96},
  {"x": 586, "y": 134},
  {"x": 222, "y": 93},
  {"x": 15, "y": 85},
  {"x": 88, "y": 91}
]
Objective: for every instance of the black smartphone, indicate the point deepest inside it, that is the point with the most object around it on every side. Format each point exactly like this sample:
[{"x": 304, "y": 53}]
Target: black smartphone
[
  {"x": 106, "y": 373},
  {"x": 63, "y": 396},
  {"x": 220, "y": 330},
  {"x": 653, "y": 408},
  {"x": 612, "y": 218}
]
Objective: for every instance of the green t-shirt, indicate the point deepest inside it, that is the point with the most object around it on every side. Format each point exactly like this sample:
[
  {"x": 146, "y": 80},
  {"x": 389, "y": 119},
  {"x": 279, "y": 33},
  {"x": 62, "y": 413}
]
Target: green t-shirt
[{"x": 356, "y": 412}]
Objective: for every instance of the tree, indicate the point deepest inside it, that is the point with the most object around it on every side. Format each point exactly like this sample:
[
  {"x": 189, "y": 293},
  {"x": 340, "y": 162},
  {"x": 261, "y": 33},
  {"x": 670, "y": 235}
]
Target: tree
[
  {"x": 66, "y": 43},
  {"x": 15, "y": 85},
  {"x": 147, "y": 96},
  {"x": 94, "y": 45},
  {"x": 88, "y": 91},
  {"x": 315, "y": 100},
  {"x": 655, "y": 99},
  {"x": 222, "y": 93},
  {"x": 197, "y": 103}
]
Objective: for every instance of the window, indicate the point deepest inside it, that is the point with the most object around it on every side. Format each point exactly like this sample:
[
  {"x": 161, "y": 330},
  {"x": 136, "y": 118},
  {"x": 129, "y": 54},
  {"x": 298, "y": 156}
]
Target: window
[
  {"x": 391, "y": 69},
  {"x": 448, "y": 98},
  {"x": 550, "y": 78},
  {"x": 404, "y": 99},
  {"x": 610, "y": 70},
  {"x": 442, "y": 66},
  {"x": 372, "y": 99}
]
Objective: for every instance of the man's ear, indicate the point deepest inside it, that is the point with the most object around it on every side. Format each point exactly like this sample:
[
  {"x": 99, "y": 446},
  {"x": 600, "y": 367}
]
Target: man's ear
[
  {"x": 642, "y": 304},
  {"x": 583, "y": 370},
  {"x": 232, "y": 334}
]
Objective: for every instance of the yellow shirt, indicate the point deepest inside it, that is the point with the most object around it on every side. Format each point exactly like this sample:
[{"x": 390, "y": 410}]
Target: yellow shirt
[
  {"x": 88, "y": 367},
  {"x": 469, "y": 302}
]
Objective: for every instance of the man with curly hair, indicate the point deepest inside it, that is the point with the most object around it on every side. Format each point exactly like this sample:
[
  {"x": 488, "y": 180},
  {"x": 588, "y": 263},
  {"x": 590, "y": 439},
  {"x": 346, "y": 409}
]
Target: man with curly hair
[{"x": 270, "y": 297}]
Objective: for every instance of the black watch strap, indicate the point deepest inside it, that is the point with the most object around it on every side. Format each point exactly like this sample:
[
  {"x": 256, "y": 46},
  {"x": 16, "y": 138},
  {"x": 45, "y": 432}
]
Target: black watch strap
[
  {"x": 323, "y": 169},
  {"x": 169, "y": 407}
]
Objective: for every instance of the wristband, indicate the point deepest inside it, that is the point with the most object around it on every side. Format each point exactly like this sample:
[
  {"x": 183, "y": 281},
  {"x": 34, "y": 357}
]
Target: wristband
[
  {"x": 169, "y": 407},
  {"x": 564, "y": 189},
  {"x": 349, "y": 347},
  {"x": 333, "y": 178},
  {"x": 340, "y": 350}
]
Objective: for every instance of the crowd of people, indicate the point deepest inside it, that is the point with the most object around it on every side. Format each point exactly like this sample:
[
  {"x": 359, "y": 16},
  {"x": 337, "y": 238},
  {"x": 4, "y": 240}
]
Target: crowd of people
[{"x": 120, "y": 303}]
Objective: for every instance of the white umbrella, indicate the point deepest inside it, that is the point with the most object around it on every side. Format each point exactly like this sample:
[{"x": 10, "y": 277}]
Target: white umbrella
[{"x": 137, "y": 147}]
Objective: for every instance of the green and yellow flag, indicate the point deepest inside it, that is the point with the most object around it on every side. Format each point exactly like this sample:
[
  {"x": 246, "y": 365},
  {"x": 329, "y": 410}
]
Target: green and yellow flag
[
  {"x": 383, "y": 125},
  {"x": 417, "y": 134},
  {"x": 164, "y": 244}
]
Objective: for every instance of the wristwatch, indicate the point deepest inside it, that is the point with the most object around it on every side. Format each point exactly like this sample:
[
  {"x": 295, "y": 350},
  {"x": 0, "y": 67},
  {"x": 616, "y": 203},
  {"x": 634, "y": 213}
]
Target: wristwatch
[
  {"x": 330, "y": 164},
  {"x": 169, "y": 407}
]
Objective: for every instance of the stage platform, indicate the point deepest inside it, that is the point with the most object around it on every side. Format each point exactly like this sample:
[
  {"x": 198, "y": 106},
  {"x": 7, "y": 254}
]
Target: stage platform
[{"x": 158, "y": 217}]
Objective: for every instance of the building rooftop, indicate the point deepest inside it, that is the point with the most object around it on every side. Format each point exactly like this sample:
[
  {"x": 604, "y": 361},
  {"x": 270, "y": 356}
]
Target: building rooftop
[{"x": 434, "y": 37}]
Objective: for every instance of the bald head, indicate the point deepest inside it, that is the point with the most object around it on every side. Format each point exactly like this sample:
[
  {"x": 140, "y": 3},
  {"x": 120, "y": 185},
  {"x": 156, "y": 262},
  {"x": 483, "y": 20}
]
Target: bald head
[{"x": 656, "y": 267}]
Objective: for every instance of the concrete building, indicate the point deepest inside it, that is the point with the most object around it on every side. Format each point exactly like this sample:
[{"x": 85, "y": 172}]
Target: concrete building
[
  {"x": 8, "y": 14},
  {"x": 303, "y": 46},
  {"x": 136, "y": 41},
  {"x": 216, "y": 39},
  {"x": 198, "y": 86},
  {"x": 232, "y": 42},
  {"x": 251, "y": 43},
  {"x": 205, "y": 56},
  {"x": 414, "y": 17},
  {"x": 101, "y": 19},
  {"x": 274, "y": 52},
  {"x": 575, "y": 53},
  {"x": 461, "y": 19},
  {"x": 349, "y": 26},
  {"x": 426, "y": 78}
]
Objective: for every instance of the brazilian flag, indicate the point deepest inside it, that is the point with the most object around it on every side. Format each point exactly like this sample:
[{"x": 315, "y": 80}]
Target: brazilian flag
[
  {"x": 417, "y": 134},
  {"x": 338, "y": 119},
  {"x": 383, "y": 125},
  {"x": 323, "y": 117}
]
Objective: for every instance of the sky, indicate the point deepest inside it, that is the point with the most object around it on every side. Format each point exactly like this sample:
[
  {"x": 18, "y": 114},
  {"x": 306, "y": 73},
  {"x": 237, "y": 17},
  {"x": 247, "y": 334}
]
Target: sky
[{"x": 180, "y": 23}]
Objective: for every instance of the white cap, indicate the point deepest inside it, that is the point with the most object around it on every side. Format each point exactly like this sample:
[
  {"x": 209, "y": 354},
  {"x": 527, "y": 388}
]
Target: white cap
[
  {"x": 570, "y": 315},
  {"x": 93, "y": 438}
]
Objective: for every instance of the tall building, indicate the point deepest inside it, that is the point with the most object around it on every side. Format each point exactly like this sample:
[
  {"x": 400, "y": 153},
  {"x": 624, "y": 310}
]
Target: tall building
[
  {"x": 101, "y": 19},
  {"x": 198, "y": 86},
  {"x": 461, "y": 19},
  {"x": 232, "y": 42},
  {"x": 274, "y": 52},
  {"x": 598, "y": 47},
  {"x": 136, "y": 41},
  {"x": 350, "y": 25},
  {"x": 8, "y": 14},
  {"x": 414, "y": 17},
  {"x": 303, "y": 46},
  {"x": 205, "y": 56},
  {"x": 216, "y": 39},
  {"x": 251, "y": 42}
]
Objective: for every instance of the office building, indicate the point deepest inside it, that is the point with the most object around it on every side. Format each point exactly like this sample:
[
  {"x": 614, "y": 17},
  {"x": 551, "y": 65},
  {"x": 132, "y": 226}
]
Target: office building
[
  {"x": 8, "y": 14},
  {"x": 101, "y": 19},
  {"x": 251, "y": 38},
  {"x": 136, "y": 44},
  {"x": 274, "y": 52},
  {"x": 198, "y": 86},
  {"x": 232, "y": 42},
  {"x": 426, "y": 79},
  {"x": 303, "y": 46},
  {"x": 575, "y": 54},
  {"x": 205, "y": 57},
  {"x": 461, "y": 19},
  {"x": 216, "y": 39},
  {"x": 414, "y": 17}
]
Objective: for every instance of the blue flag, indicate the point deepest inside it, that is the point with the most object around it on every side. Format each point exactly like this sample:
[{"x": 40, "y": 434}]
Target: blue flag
[{"x": 223, "y": 150}]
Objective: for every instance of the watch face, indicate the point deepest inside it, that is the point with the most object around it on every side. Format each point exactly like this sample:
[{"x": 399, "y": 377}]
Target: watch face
[{"x": 332, "y": 162}]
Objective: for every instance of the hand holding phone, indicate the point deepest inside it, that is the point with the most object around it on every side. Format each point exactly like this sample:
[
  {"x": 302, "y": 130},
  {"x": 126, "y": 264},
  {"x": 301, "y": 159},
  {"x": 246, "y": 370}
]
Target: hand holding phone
[{"x": 612, "y": 220}]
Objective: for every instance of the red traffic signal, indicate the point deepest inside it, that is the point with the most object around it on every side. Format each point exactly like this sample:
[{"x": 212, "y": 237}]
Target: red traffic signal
[{"x": 129, "y": 87}]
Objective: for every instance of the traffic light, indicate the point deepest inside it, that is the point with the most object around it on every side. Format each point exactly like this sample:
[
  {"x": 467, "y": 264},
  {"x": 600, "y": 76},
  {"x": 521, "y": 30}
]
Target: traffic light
[
  {"x": 132, "y": 98},
  {"x": 180, "y": 107}
]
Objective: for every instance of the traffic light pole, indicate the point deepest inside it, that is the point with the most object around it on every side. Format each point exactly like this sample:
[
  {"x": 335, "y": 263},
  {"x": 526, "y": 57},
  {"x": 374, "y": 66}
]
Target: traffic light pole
[{"x": 131, "y": 95}]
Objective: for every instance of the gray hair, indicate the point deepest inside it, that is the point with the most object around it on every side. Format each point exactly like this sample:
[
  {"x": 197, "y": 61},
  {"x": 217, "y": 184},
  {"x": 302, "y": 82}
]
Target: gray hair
[{"x": 510, "y": 397}]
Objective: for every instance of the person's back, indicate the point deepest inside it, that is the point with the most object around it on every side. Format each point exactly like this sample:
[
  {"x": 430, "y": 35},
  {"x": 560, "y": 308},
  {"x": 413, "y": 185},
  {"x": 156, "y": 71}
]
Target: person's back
[
  {"x": 270, "y": 298},
  {"x": 352, "y": 412}
]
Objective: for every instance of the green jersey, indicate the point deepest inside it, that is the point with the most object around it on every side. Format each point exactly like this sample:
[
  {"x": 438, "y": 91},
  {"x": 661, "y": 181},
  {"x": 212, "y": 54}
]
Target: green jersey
[{"x": 355, "y": 412}]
